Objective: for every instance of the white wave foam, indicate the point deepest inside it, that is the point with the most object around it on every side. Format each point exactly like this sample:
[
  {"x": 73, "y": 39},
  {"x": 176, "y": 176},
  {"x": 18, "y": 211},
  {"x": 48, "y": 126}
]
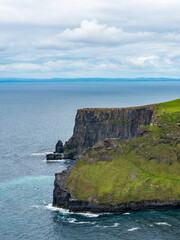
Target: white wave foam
[
  {"x": 55, "y": 161},
  {"x": 62, "y": 210},
  {"x": 66, "y": 211},
  {"x": 163, "y": 223},
  {"x": 71, "y": 220},
  {"x": 133, "y": 229},
  {"x": 38, "y": 154},
  {"x": 127, "y": 213},
  {"x": 86, "y": 223},
  {"x": 89, "y": 214},
  {"x": 116, "y": 224},
  {"x": 96, "y": 225}
]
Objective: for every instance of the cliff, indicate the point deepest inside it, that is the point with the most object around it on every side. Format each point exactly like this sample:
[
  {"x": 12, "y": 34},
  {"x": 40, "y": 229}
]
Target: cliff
[
  {"x": 117, "y": 175},
  {"x": 95, "y": 124}
]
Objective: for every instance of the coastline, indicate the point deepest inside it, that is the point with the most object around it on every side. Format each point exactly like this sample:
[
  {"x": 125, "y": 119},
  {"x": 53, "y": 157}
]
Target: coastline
[
  {"x": 63, "y": 199},
  {"x": 135, "y": 170}
]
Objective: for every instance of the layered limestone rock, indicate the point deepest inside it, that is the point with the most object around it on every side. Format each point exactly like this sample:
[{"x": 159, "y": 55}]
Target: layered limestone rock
[{"x": 95, "y": 124}]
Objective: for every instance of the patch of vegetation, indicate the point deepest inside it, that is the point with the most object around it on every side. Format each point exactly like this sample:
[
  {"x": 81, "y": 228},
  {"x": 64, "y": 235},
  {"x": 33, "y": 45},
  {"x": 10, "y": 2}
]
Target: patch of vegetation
[
  {"x": 146, "y": 168},
  {"x": 171, "y": 107},
  {"x": 168, "y": 112}
]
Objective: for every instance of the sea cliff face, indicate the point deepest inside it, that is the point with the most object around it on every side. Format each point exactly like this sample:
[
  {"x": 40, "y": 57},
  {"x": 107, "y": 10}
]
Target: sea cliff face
[
  {"x": 60, "y": 194},
  {"x": 119, "y": 175},
  {"x": 95, "y": 124}
]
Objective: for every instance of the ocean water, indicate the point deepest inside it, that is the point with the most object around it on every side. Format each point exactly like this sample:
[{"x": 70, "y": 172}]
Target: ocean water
[{"x": 33, "y": 116}]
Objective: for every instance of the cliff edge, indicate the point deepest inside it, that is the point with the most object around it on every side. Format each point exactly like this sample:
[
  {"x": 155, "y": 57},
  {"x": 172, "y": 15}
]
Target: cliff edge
[
  {"x": 96, "y": 124},
  {"x": 117, "y": 175}
]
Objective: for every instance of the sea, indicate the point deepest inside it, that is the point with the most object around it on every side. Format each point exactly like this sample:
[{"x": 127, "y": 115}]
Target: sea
[{"x": 33, "y": 117}]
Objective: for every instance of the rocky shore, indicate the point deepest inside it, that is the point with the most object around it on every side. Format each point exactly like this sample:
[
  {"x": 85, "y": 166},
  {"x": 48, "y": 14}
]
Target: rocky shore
[
  {"x": 63, "y": 199},
  {"x": 130, "y": 160},
  {"x": 59, "y": 153}
]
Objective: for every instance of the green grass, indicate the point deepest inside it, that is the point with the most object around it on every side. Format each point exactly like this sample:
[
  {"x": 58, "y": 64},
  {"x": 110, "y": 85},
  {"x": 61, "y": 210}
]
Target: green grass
[
  {"x": 168, "y": 112},
  {"x": 172, "y": 106},
  {"x": 156, "y": 178},
  {"x": 145, "y": 168}
]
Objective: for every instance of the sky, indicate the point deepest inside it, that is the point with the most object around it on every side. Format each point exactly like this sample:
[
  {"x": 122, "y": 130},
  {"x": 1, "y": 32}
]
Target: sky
[{"x": 89, "y": 38}]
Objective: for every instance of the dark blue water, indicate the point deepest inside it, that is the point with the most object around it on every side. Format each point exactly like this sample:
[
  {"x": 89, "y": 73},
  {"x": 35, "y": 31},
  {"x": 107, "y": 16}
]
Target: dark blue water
[{"x": 33, "y": 116}]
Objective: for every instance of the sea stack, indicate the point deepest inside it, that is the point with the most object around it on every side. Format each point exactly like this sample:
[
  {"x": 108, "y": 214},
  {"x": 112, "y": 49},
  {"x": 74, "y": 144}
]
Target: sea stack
[
  {"x": 59, "y": 153},
  {"x": 59, "y": 147}
]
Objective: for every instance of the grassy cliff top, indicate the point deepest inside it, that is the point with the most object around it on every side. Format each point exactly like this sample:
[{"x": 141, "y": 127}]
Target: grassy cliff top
[
  {"x": 146, "y": 168},
  {"x": 168, "y": 112},
  {"x": 170, "y": 107},
  {"x": 150, "y": 106}
]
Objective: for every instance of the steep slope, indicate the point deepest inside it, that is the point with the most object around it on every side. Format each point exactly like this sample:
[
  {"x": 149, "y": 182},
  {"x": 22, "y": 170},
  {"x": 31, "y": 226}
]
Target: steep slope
[
  {"x": 95, "y": 124},
  {"x": 126, "y": 175}
]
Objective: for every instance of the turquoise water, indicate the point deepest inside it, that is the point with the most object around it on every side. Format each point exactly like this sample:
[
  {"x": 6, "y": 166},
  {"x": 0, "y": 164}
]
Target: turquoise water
[{"x": 33, "y": 116}]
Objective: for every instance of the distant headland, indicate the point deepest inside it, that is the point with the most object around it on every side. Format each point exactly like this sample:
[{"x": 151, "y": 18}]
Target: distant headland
[{"x": 13, "y": 80}]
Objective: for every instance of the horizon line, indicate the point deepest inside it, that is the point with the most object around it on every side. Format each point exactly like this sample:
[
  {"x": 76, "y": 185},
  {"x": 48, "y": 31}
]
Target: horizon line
[{"x": 93, "y": 79}]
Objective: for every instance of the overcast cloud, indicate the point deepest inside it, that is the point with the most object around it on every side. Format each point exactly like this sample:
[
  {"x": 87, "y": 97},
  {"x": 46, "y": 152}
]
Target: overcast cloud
[{"x": 82, "y": 38}]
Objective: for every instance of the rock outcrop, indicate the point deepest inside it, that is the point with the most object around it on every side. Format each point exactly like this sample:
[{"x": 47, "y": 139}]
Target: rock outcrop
[
  {"x": 124, "y": 172},
  {"x": 62, "y": 198},
  {"x": 59, "y": 153},
  {"x": 95, "y": 124},
  {"x": 59, "y": 156},
  {"x": 59, "y": 147},
  {"x": 60, "y": 195}
]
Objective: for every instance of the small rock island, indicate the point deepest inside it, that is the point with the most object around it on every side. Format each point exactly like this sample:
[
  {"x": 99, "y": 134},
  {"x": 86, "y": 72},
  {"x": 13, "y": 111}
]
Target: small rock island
[
  {"x": 59, "y": 153},
  {"x": 128, "y": 159}
]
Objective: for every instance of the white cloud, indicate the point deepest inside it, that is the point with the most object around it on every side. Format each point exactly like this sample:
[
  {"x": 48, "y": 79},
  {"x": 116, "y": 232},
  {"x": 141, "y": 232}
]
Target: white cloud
[
  {"x": 93, "y": 33},
  {"x": 139, "y": 14},
  {"x": 83, "y": 38},
  {"x": 144, "y": 61},
  {"x": 48, "y": 66},
  {"x": 45, "y": 12},
  {"x": 22, "y": 67}
]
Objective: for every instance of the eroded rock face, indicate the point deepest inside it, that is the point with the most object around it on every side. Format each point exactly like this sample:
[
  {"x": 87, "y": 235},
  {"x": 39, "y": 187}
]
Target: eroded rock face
[
  {"x": 59, "y": 147},
  {"x": 121, "y": 165},
  {"x": 60, "y": 194},
  {"x": 59, "y": 153},
  {"x": 94, "y": 125}
]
